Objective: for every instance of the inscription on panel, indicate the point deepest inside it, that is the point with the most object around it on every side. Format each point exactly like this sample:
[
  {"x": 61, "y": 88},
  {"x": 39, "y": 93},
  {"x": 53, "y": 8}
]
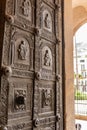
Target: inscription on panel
[
  {"x": 49, "y": 128},
  {"x": 22, "y": 74}
]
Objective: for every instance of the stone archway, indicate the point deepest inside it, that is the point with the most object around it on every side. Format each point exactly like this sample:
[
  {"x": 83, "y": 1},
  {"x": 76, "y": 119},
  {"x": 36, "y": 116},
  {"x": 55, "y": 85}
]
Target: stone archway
[
  {"x": 79, "y": 19},
  {"x": 79, "y": 13},
  {"x": 71, "y": 23}
]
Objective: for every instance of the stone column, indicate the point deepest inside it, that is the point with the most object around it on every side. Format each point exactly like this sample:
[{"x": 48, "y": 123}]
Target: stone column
[{"x": 69, "y": 116}]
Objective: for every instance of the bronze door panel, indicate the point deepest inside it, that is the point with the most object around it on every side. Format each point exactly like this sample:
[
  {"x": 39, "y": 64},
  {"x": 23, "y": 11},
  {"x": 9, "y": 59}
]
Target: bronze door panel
[{"x": 31, "y": 65}]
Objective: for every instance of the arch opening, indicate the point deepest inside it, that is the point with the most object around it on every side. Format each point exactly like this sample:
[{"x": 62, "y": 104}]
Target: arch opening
[
  {"x": 80, "y": 72},
  {"x": 80, "y": 22}
]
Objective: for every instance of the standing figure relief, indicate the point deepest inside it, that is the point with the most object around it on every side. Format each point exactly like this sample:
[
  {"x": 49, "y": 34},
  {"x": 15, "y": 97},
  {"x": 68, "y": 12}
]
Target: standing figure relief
[
  {"x": 22, "y": 51},
  {"x": 47, "y": 59},
  {"x": 47, "y": 21}
]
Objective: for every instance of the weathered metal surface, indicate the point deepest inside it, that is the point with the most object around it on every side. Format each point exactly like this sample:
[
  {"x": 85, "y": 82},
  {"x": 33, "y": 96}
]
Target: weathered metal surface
[{"x": 31, "y": 67}]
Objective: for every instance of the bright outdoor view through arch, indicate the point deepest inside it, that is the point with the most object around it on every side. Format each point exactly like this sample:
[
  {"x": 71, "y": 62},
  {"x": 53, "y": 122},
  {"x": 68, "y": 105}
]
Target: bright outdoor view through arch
[{"x": 80, "y": 70}]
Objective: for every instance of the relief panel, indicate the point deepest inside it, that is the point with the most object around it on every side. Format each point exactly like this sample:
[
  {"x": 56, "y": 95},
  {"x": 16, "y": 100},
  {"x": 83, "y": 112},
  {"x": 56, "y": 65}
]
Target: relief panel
[
  {"x": 44, "y": 104},
  {"x": 46, "y": 63},
  {"x": 46, "y": 98},
  {"x": 22, "y": 45},
  {"x": 25, "y": 10},
  {"x": 20, "y": 98},
  {"x": 22, "y": 51},
  {"x": 47, "y": 15},
  {"x": 47, "y": 20},
  {"x": 20, "y": 104},
  {"x": 29, "y": 49},
  {"x": 46, "y": 58}
]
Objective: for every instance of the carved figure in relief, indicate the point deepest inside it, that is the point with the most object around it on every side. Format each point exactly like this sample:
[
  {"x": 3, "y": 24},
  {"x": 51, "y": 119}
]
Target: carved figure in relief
[
  {"x": 26, "y": 9},
  {"x": 47, "y": 59},
  {"x": 22, "y": 51},
  {"x": 46, "y": 97},
  {"x": 47, "y": 21}
]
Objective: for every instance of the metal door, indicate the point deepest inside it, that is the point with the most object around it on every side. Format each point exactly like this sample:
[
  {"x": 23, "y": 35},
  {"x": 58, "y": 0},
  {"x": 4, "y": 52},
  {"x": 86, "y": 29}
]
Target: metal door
[{"x": 31, "y": 65}]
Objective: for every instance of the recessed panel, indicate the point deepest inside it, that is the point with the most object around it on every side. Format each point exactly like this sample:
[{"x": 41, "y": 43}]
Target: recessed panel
[
  {"x": 24, "y": 11},
  {"x": 46, "y": 98},
  {"x": 22, "y": 45}
]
